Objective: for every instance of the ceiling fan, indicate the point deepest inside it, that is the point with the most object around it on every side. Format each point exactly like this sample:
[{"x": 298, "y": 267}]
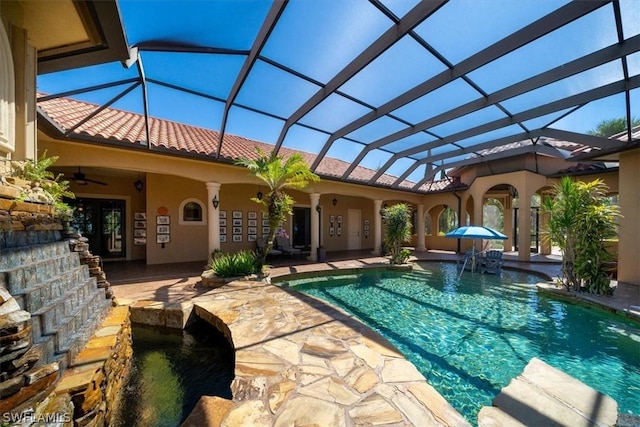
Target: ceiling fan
[{"x": 81, "y": 179}]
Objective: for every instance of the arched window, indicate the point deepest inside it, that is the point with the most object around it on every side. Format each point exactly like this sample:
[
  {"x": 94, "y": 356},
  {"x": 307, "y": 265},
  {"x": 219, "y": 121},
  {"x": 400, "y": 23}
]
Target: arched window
[
  {"x": 427, "y": 225},
  {"x": 192, "y": 212},
  {"x": 447, "y": 221}
]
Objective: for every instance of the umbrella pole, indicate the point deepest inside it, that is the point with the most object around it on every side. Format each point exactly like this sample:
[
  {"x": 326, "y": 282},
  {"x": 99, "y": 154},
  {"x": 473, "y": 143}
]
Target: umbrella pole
[{"x": 473, "y": 256}]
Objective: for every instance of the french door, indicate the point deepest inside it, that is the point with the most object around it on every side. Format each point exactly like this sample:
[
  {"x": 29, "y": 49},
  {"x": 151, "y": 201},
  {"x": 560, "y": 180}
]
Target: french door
[{"x": 102, "y": 222}]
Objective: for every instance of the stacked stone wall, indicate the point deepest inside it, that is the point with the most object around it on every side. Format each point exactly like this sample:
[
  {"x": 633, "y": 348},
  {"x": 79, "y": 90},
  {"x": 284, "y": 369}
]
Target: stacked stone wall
[
  {"x": 43, "y": 281},
  {"x": 95, "y": 378}
]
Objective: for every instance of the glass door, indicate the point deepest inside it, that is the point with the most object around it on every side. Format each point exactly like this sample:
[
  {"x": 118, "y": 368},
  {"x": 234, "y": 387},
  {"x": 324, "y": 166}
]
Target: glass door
[
  {"x": 302, "y": 228},
  {"x": 102, "y": 222}
]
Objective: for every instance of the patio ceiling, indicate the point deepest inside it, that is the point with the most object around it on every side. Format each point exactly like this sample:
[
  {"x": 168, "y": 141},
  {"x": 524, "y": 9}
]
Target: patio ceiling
[{"x": 404, "y": 88}]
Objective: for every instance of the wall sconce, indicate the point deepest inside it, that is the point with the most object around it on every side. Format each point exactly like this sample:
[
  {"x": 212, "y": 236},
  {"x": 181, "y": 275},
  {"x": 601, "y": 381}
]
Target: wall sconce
[
  {"x": 139, "y": 185},
  {"x": 383, "y": 208},
  {"x": 259, "y": 195},
  {"x": 318, "y": 208},
  {"x": 334, "y": 201},
  {"x": 215, "y": 201}
]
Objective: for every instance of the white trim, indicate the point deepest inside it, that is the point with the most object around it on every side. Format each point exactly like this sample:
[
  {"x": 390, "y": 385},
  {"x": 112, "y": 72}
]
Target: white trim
[
  {"x": 7, "y": 95},
  {"x": 203, "y": 208}
]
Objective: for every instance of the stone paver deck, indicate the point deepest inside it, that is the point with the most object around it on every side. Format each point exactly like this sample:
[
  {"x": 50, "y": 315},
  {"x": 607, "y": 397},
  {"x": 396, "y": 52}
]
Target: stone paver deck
[{"x": 300, "y": 361}]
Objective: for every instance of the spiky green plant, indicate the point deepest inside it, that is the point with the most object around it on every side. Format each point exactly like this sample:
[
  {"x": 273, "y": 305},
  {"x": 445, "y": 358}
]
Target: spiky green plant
[
  {"x": 236, "y": 264},
  {"x": 581, "y": 219},
  {"x": 279, "y": 174}
]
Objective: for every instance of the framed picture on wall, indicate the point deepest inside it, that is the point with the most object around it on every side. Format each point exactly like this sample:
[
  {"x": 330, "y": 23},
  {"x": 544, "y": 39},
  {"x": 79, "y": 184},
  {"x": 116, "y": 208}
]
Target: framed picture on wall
[
  {"x": 339, "y": 231},
  {"x": 223, "y": 222},
  {"x": 265, "y": 222},
  {"x": 237, "y": 230},
  {"x": 332, "y": 219},
  {"x": 366, "y": 222},
  {"x": 139, "y": 241},
  {"x": 237, "y": 222},
  {"x": 139, "y": 232},
  {"x": 330, "y": 231},
  {"x": 163, "y": 238},
  {"x": 223, "y": 230},
  {"x": 237, "y": 214},
  {"x": 252, "y": 223},
  {"x": 162, "y": 229},
  {"x": 163, "y": 219},
  {"x": 223, "y": 238},
  {"x": 339, "y": 219},
  {"x": 140, "y": 224},
  {"x": 223, "y": 214},
  {"x": 237, "y": 238},
  {"x": 140, "y": 216},
  {"x": 265, "y": 215},
  {"x": 252, "y": 215},
  {"x": 252, "y": 238},
  {"x": 265, "y": 231},
  {"x": 252, "y": 230}
]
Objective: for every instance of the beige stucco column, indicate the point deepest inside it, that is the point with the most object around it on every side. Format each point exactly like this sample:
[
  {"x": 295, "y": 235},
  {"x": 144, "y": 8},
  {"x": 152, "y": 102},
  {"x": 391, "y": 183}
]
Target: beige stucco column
[
  {"x": 508, "y": 223},
  {"x": 315, "y": 226},
  {"x": 420, "y": 247},
  {"x": 213, "y": 216},
  {"x": 545, "y": 244},
  {"x": 377, "y": 227},
  {"x": 629, "y": 230},
  {"x": 478, "y": 219},
  {"x": 24, "y": 60},
  {"x": 524, "y": 225}
]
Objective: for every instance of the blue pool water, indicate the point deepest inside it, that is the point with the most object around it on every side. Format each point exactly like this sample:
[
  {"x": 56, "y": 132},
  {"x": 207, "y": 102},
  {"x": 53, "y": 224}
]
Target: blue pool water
[{"x": 470, "y": 336}]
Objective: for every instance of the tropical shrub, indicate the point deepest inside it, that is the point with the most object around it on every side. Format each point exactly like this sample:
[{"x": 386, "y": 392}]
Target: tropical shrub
[
  {"x": 581, "y": 219},
  {"x": 397, "y": 220},
  {"x": 236, "y": 264},
  {"x": 38, "y": 174},
  {"x": 279, "y": 174}
]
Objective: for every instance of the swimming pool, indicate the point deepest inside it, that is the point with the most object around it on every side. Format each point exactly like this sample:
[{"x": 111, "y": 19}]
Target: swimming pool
[{"x": 470, "y": 336}]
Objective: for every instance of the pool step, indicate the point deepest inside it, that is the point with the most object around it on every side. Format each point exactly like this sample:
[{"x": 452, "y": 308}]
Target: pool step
[{"x": 545, "y": 396}]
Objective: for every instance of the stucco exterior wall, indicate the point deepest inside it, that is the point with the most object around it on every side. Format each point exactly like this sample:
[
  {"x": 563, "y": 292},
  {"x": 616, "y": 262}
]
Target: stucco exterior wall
[
  {"x": 121, "y": 189},
  {"x": 187, "y": 242},
  {"x": 629, "y": 243}
]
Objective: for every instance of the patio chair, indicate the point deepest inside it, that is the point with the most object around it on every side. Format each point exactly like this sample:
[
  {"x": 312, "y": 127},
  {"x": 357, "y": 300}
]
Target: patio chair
[
  {"x": 283, "y": 244},
  {"x": 467, "y": 261},
  {"x": 261, "y": 243},
  {"x": 492, "y": 262}
]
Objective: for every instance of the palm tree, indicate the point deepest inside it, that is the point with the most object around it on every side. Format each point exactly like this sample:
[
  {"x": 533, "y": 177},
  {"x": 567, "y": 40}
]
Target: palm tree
[
  {"x": 581, "y": 218},
  {"x": 279, "y": 174},
  {"x": 609, "y": 127}
]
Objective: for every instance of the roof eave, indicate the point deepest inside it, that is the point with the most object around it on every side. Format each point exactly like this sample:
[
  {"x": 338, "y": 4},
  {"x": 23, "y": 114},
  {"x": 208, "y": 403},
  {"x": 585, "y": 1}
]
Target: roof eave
[{"x": 104, "y": 17}]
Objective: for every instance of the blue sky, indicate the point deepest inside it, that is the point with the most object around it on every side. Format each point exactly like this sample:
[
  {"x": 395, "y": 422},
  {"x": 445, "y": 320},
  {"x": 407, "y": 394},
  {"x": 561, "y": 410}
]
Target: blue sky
[{"x": 318, "y": 38}]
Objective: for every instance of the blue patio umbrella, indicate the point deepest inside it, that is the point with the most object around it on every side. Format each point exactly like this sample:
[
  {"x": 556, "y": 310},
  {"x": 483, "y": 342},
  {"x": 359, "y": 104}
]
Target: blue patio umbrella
[{"x": 475, "y": 232}]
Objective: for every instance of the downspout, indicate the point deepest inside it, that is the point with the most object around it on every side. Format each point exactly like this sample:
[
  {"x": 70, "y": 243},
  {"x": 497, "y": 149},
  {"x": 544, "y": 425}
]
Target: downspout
[{"x": 459, "y": 217}]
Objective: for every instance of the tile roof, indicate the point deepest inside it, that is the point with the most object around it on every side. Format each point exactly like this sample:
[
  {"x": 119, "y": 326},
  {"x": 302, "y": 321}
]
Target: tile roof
[
  {"x": 580, "y": 168},
  {"x": 117, "y": 126}
]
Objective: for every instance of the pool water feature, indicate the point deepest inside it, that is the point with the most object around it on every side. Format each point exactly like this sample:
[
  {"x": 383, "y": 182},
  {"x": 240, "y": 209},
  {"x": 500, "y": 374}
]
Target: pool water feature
[
  {"x": 170, "y": 370},
  {"x": 470, "y": 335}
]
